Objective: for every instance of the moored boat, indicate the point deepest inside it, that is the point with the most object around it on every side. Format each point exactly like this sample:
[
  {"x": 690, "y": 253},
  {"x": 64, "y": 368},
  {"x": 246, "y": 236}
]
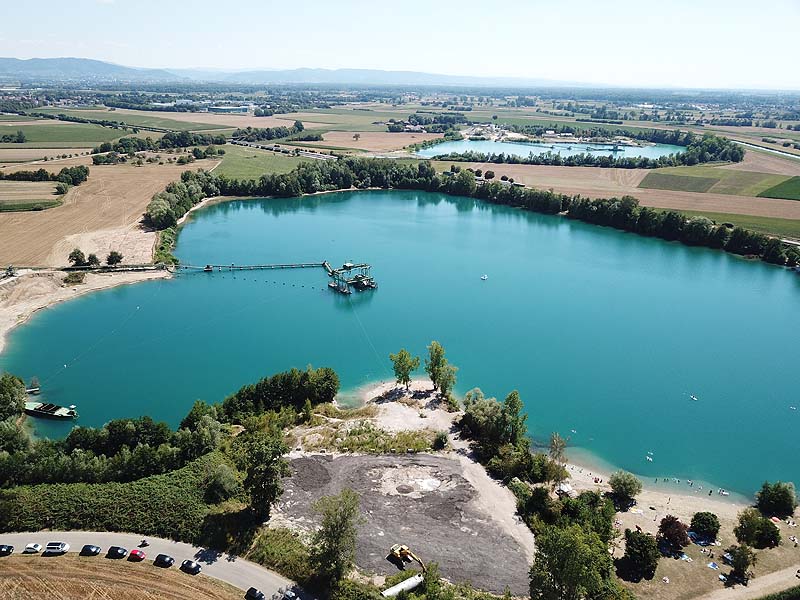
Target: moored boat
[{"x": 50, "y": 411}]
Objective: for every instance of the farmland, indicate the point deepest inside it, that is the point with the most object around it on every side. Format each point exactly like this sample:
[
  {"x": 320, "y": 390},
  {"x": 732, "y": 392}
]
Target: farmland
[
  {"x": 712, "y": 179},
  {"x": 371, "y": 141},
  {"x": 139, "y": 118},
  {"x": 786, "y": 189},
  {"x": 27, "y": 195},
  {"x": 240, "y": 162},
  {"x": 47, "y": 134},
  {"x": 680, "y": 183},
  {"x": 789, "y": 228},
  {"x": 23, "y": 577},
  {"x": 11, "y": 155}
]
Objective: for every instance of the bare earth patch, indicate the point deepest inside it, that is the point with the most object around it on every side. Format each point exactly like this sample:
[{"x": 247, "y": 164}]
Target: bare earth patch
[
  {"x": 102, "y": 214},
  {"x": 16, "y": 155},
  {"x": 373, "y": 141},
  {"x": 13, "y": 192},
  {"x": 764, "y": 162}
]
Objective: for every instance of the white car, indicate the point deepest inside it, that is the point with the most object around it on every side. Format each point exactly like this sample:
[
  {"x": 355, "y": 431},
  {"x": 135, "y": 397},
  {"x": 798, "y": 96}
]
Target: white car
[
  {"x": 56, "y": 547},
  {"x": 32, "y": 549}
]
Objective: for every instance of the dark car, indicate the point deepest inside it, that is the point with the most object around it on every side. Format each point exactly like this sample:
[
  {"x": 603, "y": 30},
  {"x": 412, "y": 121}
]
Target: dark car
[
  {"x": 6, "y": 550},
  {"x": 254, "y": 594},
  {"x": 191, "y": 567},
  {"x": 117, "y": 552},
  {"x": 164, "y": 561},
  {"x": 91, "y": 550}
]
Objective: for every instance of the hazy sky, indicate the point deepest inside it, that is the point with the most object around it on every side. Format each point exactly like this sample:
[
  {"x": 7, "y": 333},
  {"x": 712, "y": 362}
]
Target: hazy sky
[{"x": 693, "y": 43}]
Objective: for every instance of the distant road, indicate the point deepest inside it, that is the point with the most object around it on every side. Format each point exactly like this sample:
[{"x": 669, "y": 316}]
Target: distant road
[{"x": 230, "y": 569}]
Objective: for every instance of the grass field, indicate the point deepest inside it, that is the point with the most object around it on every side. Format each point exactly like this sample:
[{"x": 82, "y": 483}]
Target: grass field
[
  {"x": 69, "y": 134},
  {"x": 136, "y": 118},
  {"x": 714, "y": 179},
  {"x": 678, "y": 183},
  {"x": 249, "y": 163},
  {"x": 789, "y": 189},
  {"x": 33, "y": 576},
  {"x": 789, "y": 228}
]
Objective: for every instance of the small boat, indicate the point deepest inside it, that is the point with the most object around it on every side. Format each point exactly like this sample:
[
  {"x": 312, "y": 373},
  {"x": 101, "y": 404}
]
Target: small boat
[
  {"x": 50, "y": 411},
  {"x": 649, "y": 458},
  {"x": 693, "y": 397},
  {"x": 484, "y": 277}
]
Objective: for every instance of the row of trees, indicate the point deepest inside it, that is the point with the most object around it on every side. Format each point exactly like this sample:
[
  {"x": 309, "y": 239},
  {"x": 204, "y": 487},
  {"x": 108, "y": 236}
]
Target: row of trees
[
  {"x": 78, "y": 259},
  {"x": 261, "y": 134},
  {"x": 68, "y": 175},
  {"x": 173, "y": 139},
  {"x": 350, "y": 172},
  {"x": 14, "y": 138}
]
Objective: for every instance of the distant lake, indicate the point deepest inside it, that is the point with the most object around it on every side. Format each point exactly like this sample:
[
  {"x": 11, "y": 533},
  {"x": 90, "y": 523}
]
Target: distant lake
[
  {"x": 605, "y": 334},
  {"x": 523, "y": 149}
]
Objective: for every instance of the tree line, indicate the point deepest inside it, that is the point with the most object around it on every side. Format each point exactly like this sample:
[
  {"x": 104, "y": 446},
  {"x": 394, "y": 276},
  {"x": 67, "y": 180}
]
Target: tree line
[
  {"x": 351, "y": 172},
  {"x": 176, "y": 139},
  {"x": 259, "y": 134},
  {"x": 14, "y": 138},
  {"x": 68, "y": 175}
]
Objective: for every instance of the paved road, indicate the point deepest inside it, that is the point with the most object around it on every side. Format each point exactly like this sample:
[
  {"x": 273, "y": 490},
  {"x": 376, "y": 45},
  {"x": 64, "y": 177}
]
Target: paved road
[{"x": 236, "y": 571}]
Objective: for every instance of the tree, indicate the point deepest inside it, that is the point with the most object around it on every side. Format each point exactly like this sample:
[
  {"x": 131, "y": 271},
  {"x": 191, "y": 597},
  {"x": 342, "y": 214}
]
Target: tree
[
  {"x": 12, "y": 396},
  {"x": 432, "y": 582},
  {"x": 742, "y": 559},
  {"x": 77, "y": 258},
  {"x": 625, "y": 486},
  {"x": 488, "y": 175},
  {"x": 755, "y": 529},
  {"x": 673, "y": 533},
  {"x": 113, "y": 258},
  {"x": 333, "y": 546},
  {"x": 404, "y": 364},
  {"x": 514, "y": 419},
  {"x": 438, "y": 368},
  {"x": 641, "y": 554},
  {"x": 570, "y": 563},
  {"x": 464, "y": 184},
  {"x": 557, "y": 447},
  {"x": 356, "y": 136},
  {"x": 447, "y": 379},
  {"x": 262, "y": 457},
  {"x": 705, "y": 524},
  {"x": 93, "y": 261},
  {"x": 778, "y": 499}
]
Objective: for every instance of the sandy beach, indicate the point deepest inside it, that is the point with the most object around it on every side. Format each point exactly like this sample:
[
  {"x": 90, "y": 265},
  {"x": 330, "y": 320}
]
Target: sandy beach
[{"x": 21, "y": 296}]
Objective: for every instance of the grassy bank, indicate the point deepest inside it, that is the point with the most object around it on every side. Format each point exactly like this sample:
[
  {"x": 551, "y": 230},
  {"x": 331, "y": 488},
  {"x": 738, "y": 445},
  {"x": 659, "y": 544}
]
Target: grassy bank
[{"x": 240, "y": 162}]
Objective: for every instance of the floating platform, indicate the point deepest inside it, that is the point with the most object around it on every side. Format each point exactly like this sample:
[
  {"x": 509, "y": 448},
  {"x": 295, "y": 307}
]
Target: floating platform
[{"x": 47, "y": 410}]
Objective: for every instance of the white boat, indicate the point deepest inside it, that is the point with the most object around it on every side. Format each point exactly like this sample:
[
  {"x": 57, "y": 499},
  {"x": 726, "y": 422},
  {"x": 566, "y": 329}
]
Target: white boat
[
  {"x": 693, "y": 397},
  {"x": 484, "y": 277},
  {"x": 649, "y": 458}
]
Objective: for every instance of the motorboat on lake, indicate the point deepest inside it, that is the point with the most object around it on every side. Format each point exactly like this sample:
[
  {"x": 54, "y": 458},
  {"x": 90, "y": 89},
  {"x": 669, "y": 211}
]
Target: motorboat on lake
[{"x": 47, "y": 410}]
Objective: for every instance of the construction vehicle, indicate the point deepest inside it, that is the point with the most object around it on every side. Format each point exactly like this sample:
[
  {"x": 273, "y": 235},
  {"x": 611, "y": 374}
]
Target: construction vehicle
[{"x": 403, "y": 553}]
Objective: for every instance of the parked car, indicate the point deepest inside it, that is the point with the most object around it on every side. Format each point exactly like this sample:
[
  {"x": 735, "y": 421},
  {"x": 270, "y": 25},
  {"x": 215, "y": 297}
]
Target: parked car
[
  {"x": 254, "y": 594},
  {"x": 32, "y": 548},
  {"x": 289, "y": 595},
  {"x": 5, "y": 550},
  {"x": 116, "y": 552},
  {"x": 91, "y": 550},
  {"x": 164, "y": 560},
  {"x": 191, "y": 567},
  {"x": 137, "y": 554},
  {"x": 56, "y": 548}
]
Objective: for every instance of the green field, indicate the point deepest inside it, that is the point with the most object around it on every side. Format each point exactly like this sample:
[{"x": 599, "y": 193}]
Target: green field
[
  {"x": 789, "y": 228},
  {"x": 28, "y": 206},
  {"x": 723, "y": 181},
  {"x": 678, "y": 183},
  {"x": 16, "y": 118},
  {"x": 789, "y": 189},
  {"x": 248, "y": 163},
  {"x": 49, "y": 135},
  {"x": 134, "y": 120}
]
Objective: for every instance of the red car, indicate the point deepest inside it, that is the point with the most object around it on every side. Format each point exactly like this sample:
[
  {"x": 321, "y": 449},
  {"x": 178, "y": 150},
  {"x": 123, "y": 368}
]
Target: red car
[{"x": 137, "y": 555}]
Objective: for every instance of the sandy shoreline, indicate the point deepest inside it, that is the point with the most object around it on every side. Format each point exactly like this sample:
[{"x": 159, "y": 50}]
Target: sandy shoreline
[
  {"x": 655, "y": 501},
  {"x": 29, "y": 292}
]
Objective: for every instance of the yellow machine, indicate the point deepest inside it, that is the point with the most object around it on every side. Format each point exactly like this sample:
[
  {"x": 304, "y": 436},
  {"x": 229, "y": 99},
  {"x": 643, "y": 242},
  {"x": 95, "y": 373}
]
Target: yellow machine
[{"x": 404, "y": 553}]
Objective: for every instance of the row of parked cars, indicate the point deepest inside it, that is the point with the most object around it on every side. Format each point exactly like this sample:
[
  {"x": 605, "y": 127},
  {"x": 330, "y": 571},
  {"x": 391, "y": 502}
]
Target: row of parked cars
[{"x": 117, "y": 552}]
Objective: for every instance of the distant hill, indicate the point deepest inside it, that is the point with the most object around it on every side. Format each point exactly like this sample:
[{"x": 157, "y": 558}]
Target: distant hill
[{"x": 81, "y": 69}]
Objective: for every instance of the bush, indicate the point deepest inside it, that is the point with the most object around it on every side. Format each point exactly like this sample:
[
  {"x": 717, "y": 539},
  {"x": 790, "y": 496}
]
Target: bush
[
  {"x": 756, "y": 530},
  {"x": 705, "y": 524},
  {"x": 74, "y": 278},
  {"x": 624, "y": 485},
  {"x": 282, "y": 550},
  {"x": 641, "y": 554},
  {"x": 673, "y": 533},
  {"x": 778, "y": 499}
]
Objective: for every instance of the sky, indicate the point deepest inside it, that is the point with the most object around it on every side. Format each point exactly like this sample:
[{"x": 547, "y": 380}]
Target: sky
[{"x": 666, "y": 43}]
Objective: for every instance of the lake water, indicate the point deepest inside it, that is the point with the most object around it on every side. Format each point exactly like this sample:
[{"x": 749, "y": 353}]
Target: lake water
[
  {"x": 563, "y": 148},
  {"x": 604, "y": 333}
]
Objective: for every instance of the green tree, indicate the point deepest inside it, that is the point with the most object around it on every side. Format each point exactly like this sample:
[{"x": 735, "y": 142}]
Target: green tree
[
  {"x": 777, "y": 499},
  {"x": 755, "y": 529},
  {"x": 641, "y": 554},
  {"x": 743, "y": 558},
  {"x": 93, "y": 261},
  {"x": 570, "y": 564},
  {"x": 333, "y": 546},
  {"x": 514, "y": 419},
  {"x": 673, "y": 533},
  {"x": 12, "y": 396},
  {"x": 464, "y": 184},
  {"x": 113, "y": 258},
  {"x": 262, "y": 457},
  {"x": 404, "y": 364},
  {"x": 77, "y": 258},
  {"x": 432, "y": 582},
  {"x": 447, "y": 379},
  {"x": 705, "y": 524},
  {"x": 20, "y": 138},
  {"x": 435, "y": 362},
  {"x": 625, "y": 486},
  {"x": 558, "y": 446}
]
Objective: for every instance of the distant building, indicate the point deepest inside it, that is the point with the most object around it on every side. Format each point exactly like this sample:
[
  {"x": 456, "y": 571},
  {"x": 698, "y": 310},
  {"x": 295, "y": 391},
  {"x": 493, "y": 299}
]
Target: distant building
[{"x": 228, "y": 109}]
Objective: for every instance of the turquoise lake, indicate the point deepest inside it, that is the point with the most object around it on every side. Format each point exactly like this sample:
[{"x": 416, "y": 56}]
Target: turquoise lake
[
  {"x": 603, "y": 332},
  {"x": 523, "y": 149}
]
